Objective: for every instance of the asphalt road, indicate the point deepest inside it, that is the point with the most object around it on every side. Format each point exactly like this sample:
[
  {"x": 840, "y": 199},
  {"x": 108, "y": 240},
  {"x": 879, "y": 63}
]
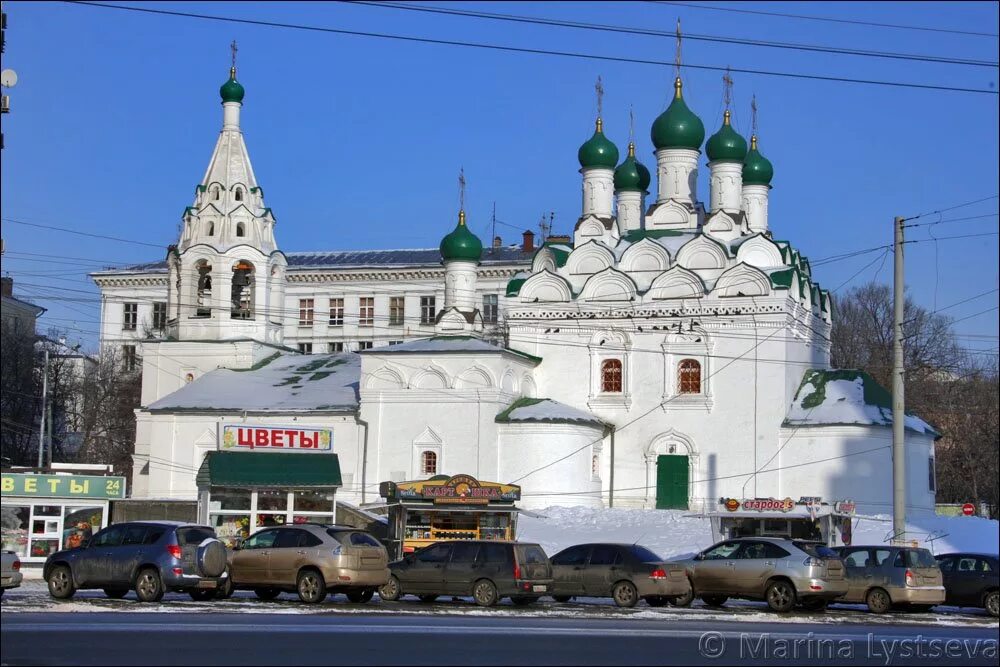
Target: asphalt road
[{"x": 279, "y": 639}]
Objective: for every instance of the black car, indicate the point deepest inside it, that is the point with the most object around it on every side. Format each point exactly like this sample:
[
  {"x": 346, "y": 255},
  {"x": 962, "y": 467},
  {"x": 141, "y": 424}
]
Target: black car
[
  {"x": 971, "y": 580},
  {"x": 624, "y": 572},
  {"x": 486, "y": 570},
  {"x": 151, "y": 557}
]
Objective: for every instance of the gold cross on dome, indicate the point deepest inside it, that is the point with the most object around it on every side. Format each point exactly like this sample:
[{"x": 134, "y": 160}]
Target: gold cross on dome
[
  {"x": 233, "y": 48},
  {"x": 599, "y": 87},
  {"x": 461, "y": 189},
  {"x": 727, "y": 87},
  {"x": 677, "y": 55},
  {"x": 631, "y": 124},
  {"x": 753, "y": 114}
]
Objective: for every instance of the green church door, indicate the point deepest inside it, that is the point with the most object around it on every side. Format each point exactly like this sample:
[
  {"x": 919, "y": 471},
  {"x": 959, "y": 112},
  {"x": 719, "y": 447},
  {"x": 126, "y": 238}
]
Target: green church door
[{"x": 671, "y": 482}]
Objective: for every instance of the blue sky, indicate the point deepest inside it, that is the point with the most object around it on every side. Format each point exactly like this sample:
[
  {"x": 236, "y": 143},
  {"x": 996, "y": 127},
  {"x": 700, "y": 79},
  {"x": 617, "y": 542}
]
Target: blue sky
[{"x": 358, "y": 141}]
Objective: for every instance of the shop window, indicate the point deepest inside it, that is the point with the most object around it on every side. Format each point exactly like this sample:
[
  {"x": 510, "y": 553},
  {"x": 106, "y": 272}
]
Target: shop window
[
  {"x": 312, "y": 501},
  {"x": 272, "y": 500},
  {"x": 230, "y": 528},
  {"x": 689, "y": 377},
  {"x": 14, "y": 524},
  {"x": 611, "y": 376},
  {"x": 223, "y": 499},
  {"x": 429, "y": 463}
]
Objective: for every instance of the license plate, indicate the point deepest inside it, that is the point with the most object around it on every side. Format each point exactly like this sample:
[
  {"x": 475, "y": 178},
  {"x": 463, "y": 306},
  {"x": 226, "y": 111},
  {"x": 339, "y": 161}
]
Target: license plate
[
  {"x": 206, "y": 584},
  {"x": 539, "y": 589}
]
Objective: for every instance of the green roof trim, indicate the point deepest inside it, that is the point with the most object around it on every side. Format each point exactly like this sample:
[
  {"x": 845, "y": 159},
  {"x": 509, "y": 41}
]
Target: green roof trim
[
  {"x": 560, "y": 255},
  {"x": 514, "y": 286},
  {"x": 264, "y": 469},
  {"x": 201, "y": 188},
  {"x": 554, "y": 413},
  {"x": 519, "y": 403},
  {"x": 637, "y": 235},
  {"x": 260, "y": 364},
  {"x": 783, "y": 278}
]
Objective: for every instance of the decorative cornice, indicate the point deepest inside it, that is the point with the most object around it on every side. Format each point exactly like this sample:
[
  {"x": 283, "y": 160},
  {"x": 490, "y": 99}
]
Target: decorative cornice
[
  {"x": 394, "y": 274},
  {"x": 140, "y": 280}
]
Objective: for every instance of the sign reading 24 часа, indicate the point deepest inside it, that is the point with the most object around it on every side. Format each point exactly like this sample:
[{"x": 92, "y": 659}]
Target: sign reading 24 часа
[
  {"x": 273, "y": 438},
  {"x": 63, "y": 486}
]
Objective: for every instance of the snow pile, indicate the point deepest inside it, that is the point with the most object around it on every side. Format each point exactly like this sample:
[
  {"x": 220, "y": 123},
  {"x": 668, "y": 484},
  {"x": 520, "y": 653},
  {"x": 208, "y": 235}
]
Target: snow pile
[
  {"x": 676, "y": 534},
  {"x": 545, "y": 410}
]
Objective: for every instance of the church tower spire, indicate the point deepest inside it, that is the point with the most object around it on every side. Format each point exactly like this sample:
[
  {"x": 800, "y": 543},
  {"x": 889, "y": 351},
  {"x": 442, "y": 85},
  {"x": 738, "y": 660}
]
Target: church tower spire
[{"x": 227, "y": 274}]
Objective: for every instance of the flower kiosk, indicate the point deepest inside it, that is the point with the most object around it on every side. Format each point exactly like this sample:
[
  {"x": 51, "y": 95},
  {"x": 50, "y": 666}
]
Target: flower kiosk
[{"x": 442, "y": 508}]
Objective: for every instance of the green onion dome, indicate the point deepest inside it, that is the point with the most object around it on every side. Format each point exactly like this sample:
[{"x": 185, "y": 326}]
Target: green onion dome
[
  {"x": 678, "y": 127},
  {"x": 461, "y": 244},
  {"x": 631, "y": 174},
  {"x": 757, "y": 169},
  {"x": 232, "y": 90},
  {"x": 598, "y": 151},
  {"x": 726, "y": 145}
]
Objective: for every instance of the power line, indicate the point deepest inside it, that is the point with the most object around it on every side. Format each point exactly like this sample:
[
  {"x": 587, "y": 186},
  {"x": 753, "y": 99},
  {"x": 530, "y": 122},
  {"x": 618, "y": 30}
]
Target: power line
[
  {"x": 73, "y": 231},
  {"x": 943, "y": 222},
  {"x": 959, "y": 303},
  {"x": 950, "y": 208},
  {"x": 826, "y": 19},
  {"x": 533, "y": 51},
  {"x": 629, "y": 30},
  {"x": 982, "y": 312}
]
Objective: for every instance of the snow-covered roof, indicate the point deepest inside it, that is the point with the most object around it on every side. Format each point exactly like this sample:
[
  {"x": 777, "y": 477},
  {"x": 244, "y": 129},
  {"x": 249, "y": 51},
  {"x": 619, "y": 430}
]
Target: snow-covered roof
[
  {"x": 829, "y": 397},
  {"x": 439, "y": 344},
  {"x": 282, "y": 383},
  {"x": 545, "y": 410}
]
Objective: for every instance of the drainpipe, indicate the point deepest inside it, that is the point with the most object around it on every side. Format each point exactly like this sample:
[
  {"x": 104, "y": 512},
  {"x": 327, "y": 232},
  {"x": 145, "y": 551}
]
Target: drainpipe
[
  {"x": 364, "y": 457},
  {"x": 611, "y": 490}
]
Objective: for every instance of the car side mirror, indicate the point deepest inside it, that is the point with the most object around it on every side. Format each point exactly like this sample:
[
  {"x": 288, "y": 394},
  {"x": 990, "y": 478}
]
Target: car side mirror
[
  {"x": 699, "y": 557},
  {"x": 86, "y": 543},
  {"x": 239, "y": 544},
  {"x": 408, "y": 558}
]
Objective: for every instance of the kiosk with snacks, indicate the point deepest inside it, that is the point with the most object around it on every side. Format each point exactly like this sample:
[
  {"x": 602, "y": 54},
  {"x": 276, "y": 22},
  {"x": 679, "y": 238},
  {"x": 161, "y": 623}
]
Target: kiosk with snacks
[
  {"x": 804, "y": 519},
  {"x": 442, "y": 508}
]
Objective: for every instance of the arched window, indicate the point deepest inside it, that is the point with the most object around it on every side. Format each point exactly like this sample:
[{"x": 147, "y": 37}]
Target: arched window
[
  {"x": 204, "y": 307},
  {"x": 429, "y": 463},
  {"x": 242, "y": 296},
  {"x": 595, "y": 466},
  {"x": 216, "y": 194},
  {"x": 611, "y": 376},
  {"x": 211, "y": 229},
  {"x": 240, "y": 229},
  {"x": 689, "y": 377},
  {"x": 239, "y": 194}
]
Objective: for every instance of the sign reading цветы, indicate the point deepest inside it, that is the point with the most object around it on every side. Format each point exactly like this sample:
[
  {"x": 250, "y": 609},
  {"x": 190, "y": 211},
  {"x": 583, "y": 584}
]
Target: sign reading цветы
[
  {"x": 62, "y": 486},
  {"x": 277, "y": 438}
]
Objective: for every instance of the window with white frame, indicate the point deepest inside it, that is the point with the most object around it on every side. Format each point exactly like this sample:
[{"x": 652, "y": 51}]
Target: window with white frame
[
  {"x": 397, "y": 310},
  {"x": 428, "y": 309},
  {"x": 428, "y": 463},
  {"x": 611, "y": 376},
  {"x": 490, "y": 308},
  {"x": 237, "y": 512},
  {"x": 130, "y": 316},
  {"x": 337, "y": 312},
  {"x": 366, "y": 311},
  {"x": 306, "y": 312}
]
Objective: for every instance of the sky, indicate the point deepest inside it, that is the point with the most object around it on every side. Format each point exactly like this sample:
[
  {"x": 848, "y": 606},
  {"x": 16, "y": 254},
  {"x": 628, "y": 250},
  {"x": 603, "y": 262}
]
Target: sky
[{"x": 358, "y": 141}]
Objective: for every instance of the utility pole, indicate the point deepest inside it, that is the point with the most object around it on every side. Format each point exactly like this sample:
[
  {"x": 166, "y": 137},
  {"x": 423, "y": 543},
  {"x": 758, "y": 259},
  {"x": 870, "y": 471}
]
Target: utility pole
[
  {"x": 49, "y": 435},
  {"x": 41, "y": 421},
  {"x": 898, "y": 405}
]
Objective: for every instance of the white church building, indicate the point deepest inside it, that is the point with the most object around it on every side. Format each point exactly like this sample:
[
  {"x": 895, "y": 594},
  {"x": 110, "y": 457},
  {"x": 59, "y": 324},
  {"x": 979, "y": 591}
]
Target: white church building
[{"x": 670, "y": 354}]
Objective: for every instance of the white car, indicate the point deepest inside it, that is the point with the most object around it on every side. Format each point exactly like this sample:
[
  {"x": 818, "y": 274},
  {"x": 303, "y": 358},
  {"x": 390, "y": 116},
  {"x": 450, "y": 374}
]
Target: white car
[{"x": 10, "y": 571}]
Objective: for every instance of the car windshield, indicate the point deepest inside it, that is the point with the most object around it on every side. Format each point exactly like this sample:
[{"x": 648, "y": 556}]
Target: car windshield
[
  {"x": 644, "y": 555},
  {"x": 919, "y": 558},
  {"x": 817, "y": 550}
]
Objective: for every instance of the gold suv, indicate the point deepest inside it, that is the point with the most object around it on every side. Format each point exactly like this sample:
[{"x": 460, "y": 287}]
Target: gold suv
[{"x": 311, "y": 560}]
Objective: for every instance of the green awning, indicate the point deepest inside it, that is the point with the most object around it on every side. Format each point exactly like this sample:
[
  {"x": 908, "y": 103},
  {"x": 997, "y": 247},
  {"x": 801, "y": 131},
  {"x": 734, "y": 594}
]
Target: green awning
[{"x": 256, "y": 469}]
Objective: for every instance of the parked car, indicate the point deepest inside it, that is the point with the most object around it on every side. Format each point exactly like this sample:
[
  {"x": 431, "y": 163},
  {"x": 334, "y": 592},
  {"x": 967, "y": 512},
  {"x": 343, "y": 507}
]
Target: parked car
[
  {"x": 971, "y": 580},
  {"x": 486, "y": 570},
  {"x": 311, "y": 559},
  {"x": 624, "y": 572},
  {"x": 10, "y": 571},
  {"x": 887, "y": 576},
  {"x": 151, "y": 557},
  {"x": 781, "y": 572}
]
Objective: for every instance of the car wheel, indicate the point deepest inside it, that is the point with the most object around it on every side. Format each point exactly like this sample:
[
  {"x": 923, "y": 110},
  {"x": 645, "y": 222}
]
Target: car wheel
[
  {"x": 991, "y": 602},
  {"x": 226, "y": 587},
  {"x": 684, "y": 600},
  {"x": 60, "y": 582},
  {"x": 266, "y": 593},
  {"x": 815, "y": 605},
  {"x": 625, "y": 594},
  {"x": 714, "y": 600},
  {"x": 390, "y": 590},
  {"x": 878, "y": 601},
  {"x": 427, "y": 598},
  {"x": 202, "y": 594},
  {"x": 360, "y": 596},
  {"x": 311, "y": 586},
  {"x": 562, "y": 598},
  {"x": 149, "y": 586},
  {"x": 524, "y": 600},
  {"x": 484, "y": 593},
  {"x": 656, "y": 600},
  {"x": 116, "y": 593},
  {"x": 780, "y": 596}
]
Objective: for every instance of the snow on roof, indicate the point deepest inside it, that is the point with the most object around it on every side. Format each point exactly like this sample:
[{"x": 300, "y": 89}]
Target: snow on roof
[
  {"x": 281, "y": 383},
  {"x": 545, "y": 410},
  {"x": 433, "y": 344},
  {"x": 829, "y": 397}
]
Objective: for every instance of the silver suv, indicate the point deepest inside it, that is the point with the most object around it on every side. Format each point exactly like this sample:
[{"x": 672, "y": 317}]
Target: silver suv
[
  {"x": 151, "y": 557},
  {"x": 781, "y": 572}
]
